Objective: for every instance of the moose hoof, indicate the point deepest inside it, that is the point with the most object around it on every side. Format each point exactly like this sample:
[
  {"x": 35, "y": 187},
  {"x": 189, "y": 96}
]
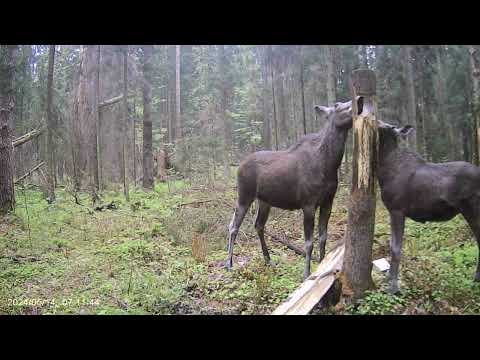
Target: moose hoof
[{"x": 228, "y": 265}]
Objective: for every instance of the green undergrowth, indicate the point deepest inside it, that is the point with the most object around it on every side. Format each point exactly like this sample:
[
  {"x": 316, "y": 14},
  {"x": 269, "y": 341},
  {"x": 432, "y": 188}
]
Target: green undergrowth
[{"x": 136, "y": 257}]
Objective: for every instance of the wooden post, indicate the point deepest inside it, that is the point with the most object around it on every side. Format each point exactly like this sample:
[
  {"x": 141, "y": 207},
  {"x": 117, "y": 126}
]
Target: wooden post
[{"x": 361, "y": 215}]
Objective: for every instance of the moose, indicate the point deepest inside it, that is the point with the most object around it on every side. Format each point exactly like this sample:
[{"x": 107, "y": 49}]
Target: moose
[
  {"x": 302, "y": 177},
  {"x": 423, "y": 191}
]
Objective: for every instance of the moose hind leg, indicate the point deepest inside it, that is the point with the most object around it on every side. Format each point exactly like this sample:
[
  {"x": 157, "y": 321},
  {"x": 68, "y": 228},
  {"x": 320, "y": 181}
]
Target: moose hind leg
[
  {"x": 237, "y": 219},
  {"x": 262, "y": 216},
  {"x": 323, "y": 219},
  {"x": 308, "y": 226}
]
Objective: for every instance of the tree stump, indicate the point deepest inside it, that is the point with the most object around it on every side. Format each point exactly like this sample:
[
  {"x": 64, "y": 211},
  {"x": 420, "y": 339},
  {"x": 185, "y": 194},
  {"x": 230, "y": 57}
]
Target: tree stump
[{"x": 361, "y": 215}]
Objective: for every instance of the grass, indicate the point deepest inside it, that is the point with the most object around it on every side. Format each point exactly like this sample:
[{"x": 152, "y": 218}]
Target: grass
[{"x": 163, "y": 253}]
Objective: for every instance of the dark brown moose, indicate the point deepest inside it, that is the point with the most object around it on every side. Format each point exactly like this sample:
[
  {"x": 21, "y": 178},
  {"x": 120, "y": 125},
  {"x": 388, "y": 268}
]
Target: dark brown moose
[
  {"x": 423, "y": 191},
  {"x": 301, "y": 177}
]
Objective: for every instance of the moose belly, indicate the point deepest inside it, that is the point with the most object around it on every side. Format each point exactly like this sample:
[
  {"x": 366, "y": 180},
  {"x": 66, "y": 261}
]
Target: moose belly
[
  {"x": 436, "y": 212},
  {"x": 285, "y": 200}
]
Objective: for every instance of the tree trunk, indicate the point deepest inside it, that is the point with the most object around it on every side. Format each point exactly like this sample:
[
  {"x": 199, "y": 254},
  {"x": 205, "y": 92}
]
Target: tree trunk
[
  {"x": 85, "y": 121},
  {"x": 294, "y": 107},
  {"x": 50, "y": 128},
  {"x": 93, "y": 138},
  {"x": 411, "y": 108},
  {"x": 302, "y": 89},
  {"x": 280, "y": 77},
  {"x": 331, "y": 78},
  {"x": 422, "y": 119},
  {"x": 357, "y": 265},
  {"x": 275, "y": 126},
  {"x": 7, "y": 70},
  {"x": 178, "y": 119},
  {"x": 125, "y": 123},
  {"x": 148, "y": 181},
  {"x": 134, "y": 140},
  {"x": 227, "y": 132},
  {"x": 363, "y": 56},
  {"x": 475, "y": 77},
  {"x": 161, "y": 165},
  {"x": 267, "y": 128},
  {"x": 441, "y": 109}
]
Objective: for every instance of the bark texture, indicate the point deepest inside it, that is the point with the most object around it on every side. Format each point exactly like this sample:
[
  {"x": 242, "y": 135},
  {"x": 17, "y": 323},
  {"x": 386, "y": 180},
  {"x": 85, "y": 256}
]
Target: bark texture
[
  {"x": 7, "y": 70},
  {"x": 361, "y": 215},
  {"x": 148, "y": 181},
  {"x": 50, "y": 128}
]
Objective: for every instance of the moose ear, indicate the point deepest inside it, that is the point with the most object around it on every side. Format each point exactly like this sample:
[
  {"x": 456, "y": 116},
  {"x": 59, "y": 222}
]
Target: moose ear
[
  {"x": 323, "y": 110},
  {"x": 404, "y": 131}
]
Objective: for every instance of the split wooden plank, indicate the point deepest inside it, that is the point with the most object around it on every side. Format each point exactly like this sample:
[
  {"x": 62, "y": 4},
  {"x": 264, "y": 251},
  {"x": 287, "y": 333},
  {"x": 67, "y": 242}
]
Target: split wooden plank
[{"x": 304, "y": 299}]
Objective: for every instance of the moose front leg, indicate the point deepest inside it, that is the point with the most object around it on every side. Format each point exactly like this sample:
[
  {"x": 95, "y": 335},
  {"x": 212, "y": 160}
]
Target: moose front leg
[
  {"x": 323, "y": 219},
  {"x": 308, "y": 226},
  {"x": 397, "y": 225}
]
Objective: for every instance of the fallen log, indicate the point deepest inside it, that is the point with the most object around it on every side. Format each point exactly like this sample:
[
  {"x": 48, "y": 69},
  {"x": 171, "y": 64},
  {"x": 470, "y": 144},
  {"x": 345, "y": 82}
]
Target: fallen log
[
  {"x": 288, "y": 244},
  {"x": 311, "y": 291},
  {"x": 196, "y": 202},
  {"x": 29, "y": 172},
  {"x": 27, "y": 137}
]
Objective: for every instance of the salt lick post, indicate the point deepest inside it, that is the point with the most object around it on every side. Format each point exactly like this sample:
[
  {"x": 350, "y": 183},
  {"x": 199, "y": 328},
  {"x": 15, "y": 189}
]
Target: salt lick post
[{"x": 357, "y": 265}]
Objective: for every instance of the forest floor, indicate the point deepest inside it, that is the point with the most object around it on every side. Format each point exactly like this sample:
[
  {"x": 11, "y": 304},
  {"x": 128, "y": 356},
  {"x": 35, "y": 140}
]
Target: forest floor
[{"x": 163, "y": 252}]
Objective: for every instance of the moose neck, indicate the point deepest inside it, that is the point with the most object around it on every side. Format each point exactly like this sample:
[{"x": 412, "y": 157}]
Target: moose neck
[
  {"x": 393, "y": 157},
  {"x": 332, "y": 146},
  {"x": 388, "y": 145}
]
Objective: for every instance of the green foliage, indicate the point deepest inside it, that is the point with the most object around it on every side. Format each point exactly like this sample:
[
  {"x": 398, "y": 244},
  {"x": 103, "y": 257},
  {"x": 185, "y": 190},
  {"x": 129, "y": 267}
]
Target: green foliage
[{"x": 377, "y": 303}]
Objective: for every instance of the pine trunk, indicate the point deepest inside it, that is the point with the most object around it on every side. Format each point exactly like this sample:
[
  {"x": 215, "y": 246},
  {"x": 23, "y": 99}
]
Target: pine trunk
[
  {"x": 50, "y": 128},
  {"x": 178, "y": 118},
  {"x": 411, "y": 108},
  {"x": 275, "y": 126},
  {"x": 85, "y": 121},
  {"x": 280, "y": 77},
  {"x": 223, "y": 108},
  {"x": 93, "y": 138},
  {"x": 441, "y": 109},
  {"x": 302, "y": 90},
  {"x": 267, "y": 128},
  {"x": 148, "y": 181},
  {"x": 125, "y": 123},
  {"x": 7, "y": 70},
  {"x": 331, "y": 78}
]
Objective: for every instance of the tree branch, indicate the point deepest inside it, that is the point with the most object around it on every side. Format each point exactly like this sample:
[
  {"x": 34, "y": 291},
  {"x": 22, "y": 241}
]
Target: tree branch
[
  {"x": 112, "y": 101},
  {"x": 30, "y": 172},
  {"x": 27, "y": 137}
]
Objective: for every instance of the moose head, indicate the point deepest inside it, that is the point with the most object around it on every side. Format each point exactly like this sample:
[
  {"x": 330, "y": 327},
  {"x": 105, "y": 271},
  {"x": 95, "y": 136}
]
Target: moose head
[{"x": 341, "y": 113}]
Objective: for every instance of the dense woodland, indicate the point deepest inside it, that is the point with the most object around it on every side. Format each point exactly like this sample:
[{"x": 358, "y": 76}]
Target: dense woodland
[{"x": 102, "y": 126}]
